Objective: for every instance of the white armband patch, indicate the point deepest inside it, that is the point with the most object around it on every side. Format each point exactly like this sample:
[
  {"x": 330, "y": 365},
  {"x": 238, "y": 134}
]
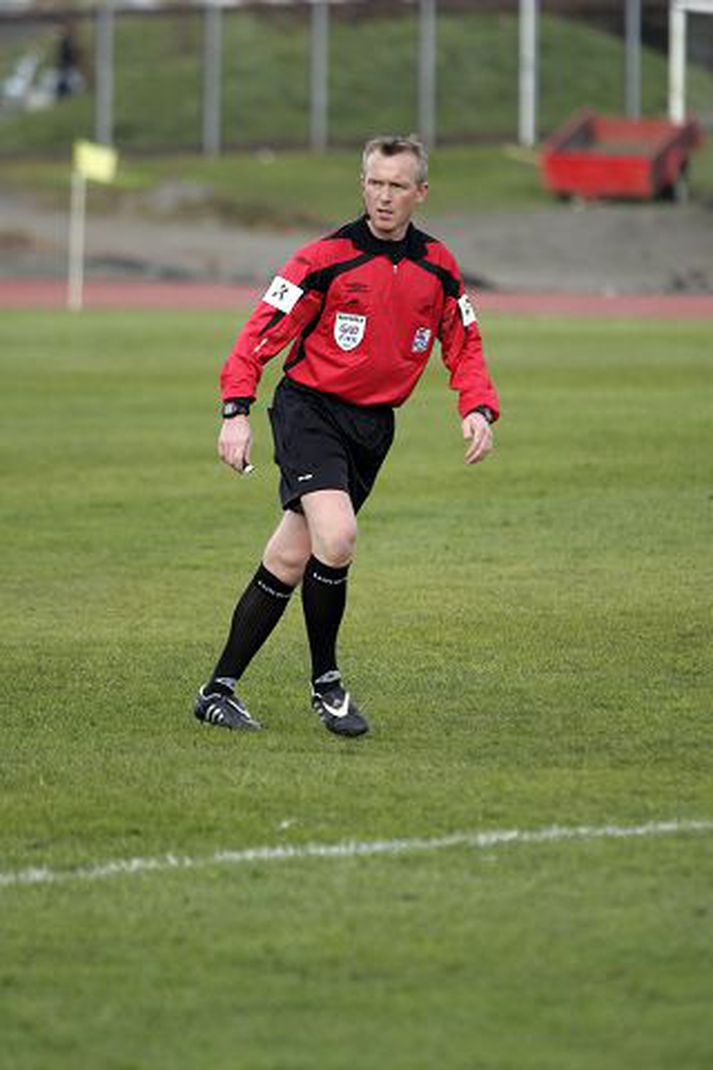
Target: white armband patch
[
  {"x": 282, "y": 294},
  {"x": 467, "y": 312}
]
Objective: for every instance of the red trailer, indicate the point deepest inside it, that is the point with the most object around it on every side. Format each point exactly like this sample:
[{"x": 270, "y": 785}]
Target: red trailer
[{"x": 593, "y": 156}]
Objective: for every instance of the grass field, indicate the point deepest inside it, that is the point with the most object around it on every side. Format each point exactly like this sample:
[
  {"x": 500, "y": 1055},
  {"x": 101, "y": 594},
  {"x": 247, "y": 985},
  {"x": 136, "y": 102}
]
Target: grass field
[{"x": 531, "y": 640}]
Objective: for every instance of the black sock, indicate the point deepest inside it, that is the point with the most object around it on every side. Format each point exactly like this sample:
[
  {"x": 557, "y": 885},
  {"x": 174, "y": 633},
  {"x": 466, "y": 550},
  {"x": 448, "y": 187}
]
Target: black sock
[
  {"x": 259, "y": 609},
  {"x": 324, "y": 595}
]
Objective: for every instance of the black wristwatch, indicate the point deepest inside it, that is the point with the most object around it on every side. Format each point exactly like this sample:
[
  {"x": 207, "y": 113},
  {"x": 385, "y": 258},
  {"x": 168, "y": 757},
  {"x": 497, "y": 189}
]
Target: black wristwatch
[
  {"x": 485, "y": 411},
  {"x": 236, "y": 407}
]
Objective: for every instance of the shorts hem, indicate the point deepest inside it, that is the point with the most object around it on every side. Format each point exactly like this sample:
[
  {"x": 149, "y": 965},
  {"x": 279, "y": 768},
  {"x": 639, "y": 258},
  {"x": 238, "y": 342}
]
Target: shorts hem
[{"x": 294, "y": 501}]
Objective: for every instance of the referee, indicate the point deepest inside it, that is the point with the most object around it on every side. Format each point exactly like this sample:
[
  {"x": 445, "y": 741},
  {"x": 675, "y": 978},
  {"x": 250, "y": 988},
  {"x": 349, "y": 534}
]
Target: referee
[{"x": 360, "y": 310}]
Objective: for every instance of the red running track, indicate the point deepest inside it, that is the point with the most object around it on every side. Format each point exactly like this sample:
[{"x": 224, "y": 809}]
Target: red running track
[{"x": 119, "y": 293}]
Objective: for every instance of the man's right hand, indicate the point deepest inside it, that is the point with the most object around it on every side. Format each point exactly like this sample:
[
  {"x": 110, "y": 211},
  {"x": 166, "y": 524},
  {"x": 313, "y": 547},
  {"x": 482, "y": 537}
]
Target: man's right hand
[{"x": 235, "y": 442}]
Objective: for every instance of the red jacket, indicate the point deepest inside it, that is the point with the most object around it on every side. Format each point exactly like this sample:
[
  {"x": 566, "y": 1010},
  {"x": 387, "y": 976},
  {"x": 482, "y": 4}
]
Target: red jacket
[{"x": 362, "y": 315}]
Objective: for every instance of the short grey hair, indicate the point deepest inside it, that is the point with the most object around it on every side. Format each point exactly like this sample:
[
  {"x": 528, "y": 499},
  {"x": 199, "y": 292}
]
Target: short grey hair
[{"x": 393, "y": 145}]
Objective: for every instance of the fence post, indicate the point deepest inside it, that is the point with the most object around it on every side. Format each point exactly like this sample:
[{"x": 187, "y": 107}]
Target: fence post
[
  {"x": 633, "y": 58},
  {"x": 212, "y": 56},
  {"x": 319, "y": 110},
  {"x": 104, "y": 68},
  {"x": 527, "y": 125},
  {"x": 427, "y": 57},
  {"x": 677, "y": 62}
]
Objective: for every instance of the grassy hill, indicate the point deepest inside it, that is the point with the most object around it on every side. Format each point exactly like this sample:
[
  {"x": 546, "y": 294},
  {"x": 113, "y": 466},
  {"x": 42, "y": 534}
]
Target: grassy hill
[
  {"x": 290, "y": 188},
  {"x": 266, "y": 108},
  {"x": 158, "y": 83}
]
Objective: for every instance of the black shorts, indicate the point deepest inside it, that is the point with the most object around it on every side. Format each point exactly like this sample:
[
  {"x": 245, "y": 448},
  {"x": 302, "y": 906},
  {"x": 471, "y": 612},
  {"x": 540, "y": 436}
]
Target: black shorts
[{"x": 323, "y": 443}]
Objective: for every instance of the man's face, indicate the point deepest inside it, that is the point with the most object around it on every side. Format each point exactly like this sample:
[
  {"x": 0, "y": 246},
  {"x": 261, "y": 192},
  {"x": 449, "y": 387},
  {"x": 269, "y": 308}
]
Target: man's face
[{"x": 391, "y": 193}]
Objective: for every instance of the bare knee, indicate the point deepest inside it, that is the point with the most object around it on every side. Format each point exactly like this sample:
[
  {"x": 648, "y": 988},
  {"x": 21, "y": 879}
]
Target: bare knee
[
  {"x": 332, "y": 526},
  {"x": 288, "y": 551},
  {"x": 335, "y": 546},
  {"x": 285, "y": 563}
]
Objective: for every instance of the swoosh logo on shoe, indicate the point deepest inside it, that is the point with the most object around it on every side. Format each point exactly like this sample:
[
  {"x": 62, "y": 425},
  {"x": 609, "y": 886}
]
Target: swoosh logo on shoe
[{"x": 338, "y": 711}]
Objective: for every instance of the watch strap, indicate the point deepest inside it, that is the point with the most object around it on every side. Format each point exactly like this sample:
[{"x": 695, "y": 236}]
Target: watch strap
[
  {"x": 236, "y": 407},
  {"x": 485, "y": 411}
]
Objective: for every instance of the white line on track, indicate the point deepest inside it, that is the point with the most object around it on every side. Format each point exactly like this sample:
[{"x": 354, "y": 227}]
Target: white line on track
[{"x": 348, "y": 849}]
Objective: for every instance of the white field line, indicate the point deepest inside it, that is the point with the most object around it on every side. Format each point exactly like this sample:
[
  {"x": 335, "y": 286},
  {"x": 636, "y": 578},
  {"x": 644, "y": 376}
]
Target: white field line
[{"x": 348, "y": 849}]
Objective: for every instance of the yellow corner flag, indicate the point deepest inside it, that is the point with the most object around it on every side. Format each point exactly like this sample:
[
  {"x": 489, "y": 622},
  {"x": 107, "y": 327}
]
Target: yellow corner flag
[
  {"x": 91, "y": 163},
  {"x": 97, "y": 163}
]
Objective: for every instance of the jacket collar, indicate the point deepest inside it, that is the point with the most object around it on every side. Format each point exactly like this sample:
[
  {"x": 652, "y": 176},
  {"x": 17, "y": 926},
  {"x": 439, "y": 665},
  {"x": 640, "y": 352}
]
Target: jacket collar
[{"x": 412, "y": 246}]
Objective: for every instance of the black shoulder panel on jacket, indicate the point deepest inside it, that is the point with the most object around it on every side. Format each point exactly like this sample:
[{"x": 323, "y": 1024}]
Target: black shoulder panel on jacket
[
  {"x": 348, "y": 231},
  {"x": 323, "y": 278},
  {"x": 449, "y": 282}
]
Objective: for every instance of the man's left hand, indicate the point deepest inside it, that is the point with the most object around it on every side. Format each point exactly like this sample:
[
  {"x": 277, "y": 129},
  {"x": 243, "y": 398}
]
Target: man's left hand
[{"x": 478, "y": 433}]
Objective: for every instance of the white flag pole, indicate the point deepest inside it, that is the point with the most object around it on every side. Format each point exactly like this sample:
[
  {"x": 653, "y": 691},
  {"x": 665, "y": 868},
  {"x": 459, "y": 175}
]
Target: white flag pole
[{"x": 77, "y": 217}]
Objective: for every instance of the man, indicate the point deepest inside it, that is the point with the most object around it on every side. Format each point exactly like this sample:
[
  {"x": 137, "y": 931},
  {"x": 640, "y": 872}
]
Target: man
[
  {"x": 69, "y": 76},
  {"x": 362, "y": 309}
]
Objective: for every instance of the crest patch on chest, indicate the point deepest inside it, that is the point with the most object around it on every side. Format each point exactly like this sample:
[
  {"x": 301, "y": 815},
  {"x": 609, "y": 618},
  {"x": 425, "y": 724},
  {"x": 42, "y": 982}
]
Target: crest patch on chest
[{"x": 348, "y": 330}]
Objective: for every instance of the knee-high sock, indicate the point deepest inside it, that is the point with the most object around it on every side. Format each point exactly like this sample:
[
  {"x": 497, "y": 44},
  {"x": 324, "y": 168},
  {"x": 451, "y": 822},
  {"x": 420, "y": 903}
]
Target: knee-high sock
[
  {"x": 259, "y": 608},
  {"x": 324, "y": 595}
]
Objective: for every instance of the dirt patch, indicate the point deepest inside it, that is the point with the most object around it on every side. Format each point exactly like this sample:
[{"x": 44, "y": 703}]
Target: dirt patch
[
  {"x": 607, "y": 249},
  {"x": 597, "y": 248}
]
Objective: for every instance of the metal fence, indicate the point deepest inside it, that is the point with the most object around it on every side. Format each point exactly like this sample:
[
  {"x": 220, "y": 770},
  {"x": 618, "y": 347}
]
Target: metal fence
[{"x": 328, "y": 72}]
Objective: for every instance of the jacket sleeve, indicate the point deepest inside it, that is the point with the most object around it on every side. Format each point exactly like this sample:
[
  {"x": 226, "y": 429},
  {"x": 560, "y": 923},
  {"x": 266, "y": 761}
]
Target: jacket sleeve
[
  {"x": 291, "y": 302},
  {"x": 462, "y": 352}
]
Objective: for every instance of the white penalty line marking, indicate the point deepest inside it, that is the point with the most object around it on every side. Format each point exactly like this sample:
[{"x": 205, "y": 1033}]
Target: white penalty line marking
[{"x": 349, "y": 849}]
